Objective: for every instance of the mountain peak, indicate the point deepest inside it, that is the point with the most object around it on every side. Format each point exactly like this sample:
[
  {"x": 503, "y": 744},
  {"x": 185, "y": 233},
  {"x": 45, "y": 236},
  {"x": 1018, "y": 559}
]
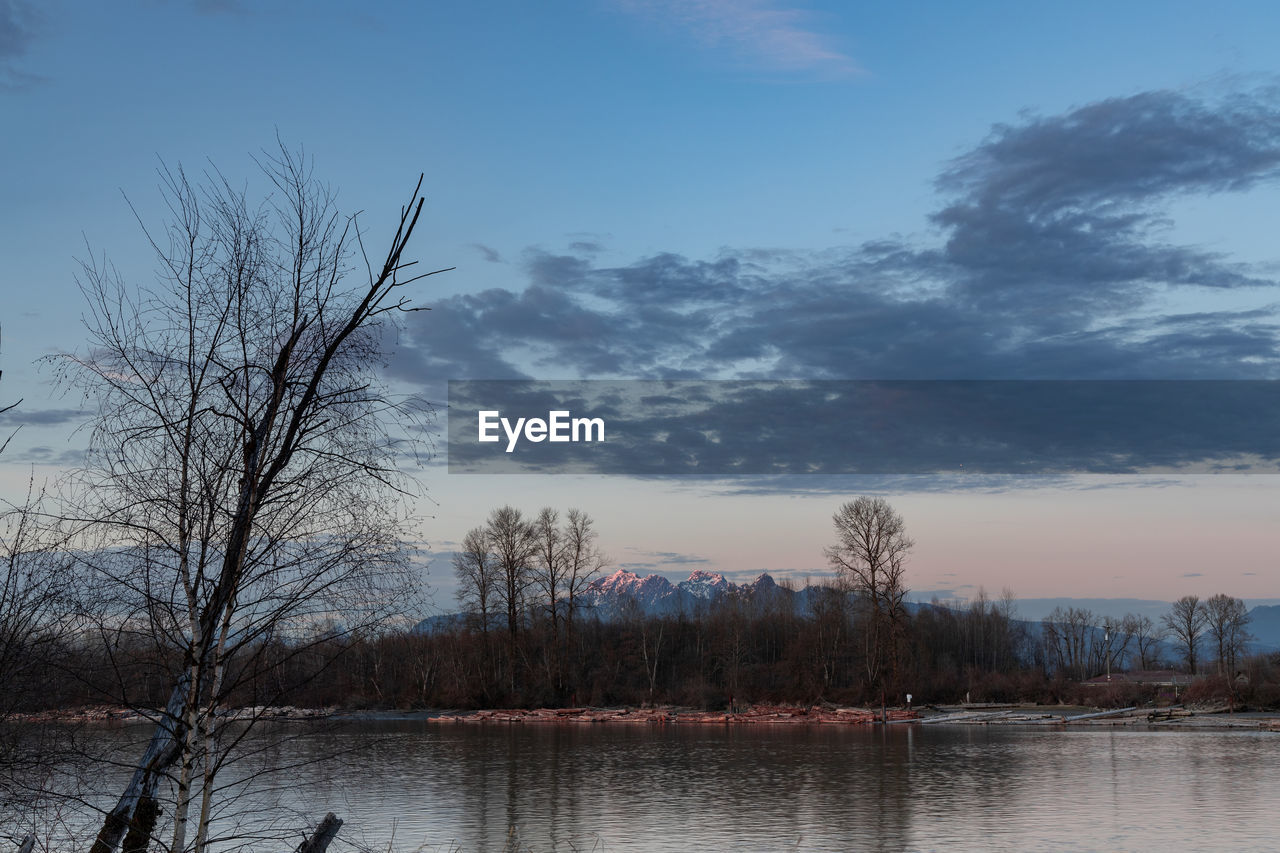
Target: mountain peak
[{"x": 705, "y": 585}]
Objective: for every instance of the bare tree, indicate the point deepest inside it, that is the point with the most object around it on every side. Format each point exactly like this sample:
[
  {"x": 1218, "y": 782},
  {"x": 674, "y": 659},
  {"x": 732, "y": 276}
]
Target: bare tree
[
  {"x": 828, "y": 634},
  {"x": 36, "y": 581},
  {"x": 513, "y": 543},
  {"x": 477, "y": 576},
  {"x": 37, "y": 595},
  {"x": 1147, "y": 637},
  {"x": 1226, "y": 622},
  {"x": 1112, "y": 650},
  {"x": 870, "y": 555},
  {"x": 245, "y": 460},
  {"x": 478, "y": 581},
  {"x": 1186, "y": 623},
  {"x": 989, "y": 631},
  {"x": 1069, "y": 637},
  {"x": 549, "y": 571},
  {"x": 583, "y": 560}
]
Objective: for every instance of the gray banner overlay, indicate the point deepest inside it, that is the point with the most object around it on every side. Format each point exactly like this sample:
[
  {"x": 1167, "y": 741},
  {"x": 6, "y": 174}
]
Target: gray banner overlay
[{"x": 728, "y": 427}]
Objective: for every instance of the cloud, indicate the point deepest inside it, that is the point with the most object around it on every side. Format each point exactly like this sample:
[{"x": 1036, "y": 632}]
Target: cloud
[
  {"x": 19, "y": 24},
  {"x": 1067, "y": 207},
  {"x": 43, "y": 455},
  {"x": 884, "y": 428},
  {"x": 764, "y": 33},
  {"x": 672, "y": 558},
  {"x": 658, "y": 561},
  {"x": 1053, "y": 261},
  {"x": 489, "y": 254},
  {"x": 1051, "y": 266},
  {"x": 42, "y": 417}
]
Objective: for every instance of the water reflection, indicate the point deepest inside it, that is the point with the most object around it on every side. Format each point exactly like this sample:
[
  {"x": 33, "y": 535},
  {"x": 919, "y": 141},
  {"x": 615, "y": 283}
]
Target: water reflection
[
  {"x": 651, "y": 788},
  {"x": 655, "y": 788}
]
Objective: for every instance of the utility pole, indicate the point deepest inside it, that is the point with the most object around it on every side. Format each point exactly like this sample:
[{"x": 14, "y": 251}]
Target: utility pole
[{"x": 1106, "y": 640}]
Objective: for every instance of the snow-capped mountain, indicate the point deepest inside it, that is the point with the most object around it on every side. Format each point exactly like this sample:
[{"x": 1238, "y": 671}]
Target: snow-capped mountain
[
  {"x": 624, "y": 589},
  {"x": 707, "y": 586},
  {"x": 625, "y": 593}
]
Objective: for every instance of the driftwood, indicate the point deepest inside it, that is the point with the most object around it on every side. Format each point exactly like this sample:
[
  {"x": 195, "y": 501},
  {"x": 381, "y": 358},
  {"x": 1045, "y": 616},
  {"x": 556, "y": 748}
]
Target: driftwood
[
  {"x": 1097, "y": 715},
  {"x": 136, "y": 811},
  {"x": 325, "y": 832},
  {"x": 755, "y": 715}
]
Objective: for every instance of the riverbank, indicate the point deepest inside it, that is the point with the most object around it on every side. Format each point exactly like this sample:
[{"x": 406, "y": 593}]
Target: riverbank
[
  {"x": 1178, "y": 717},
  {"x": 1174, "y": 717}
]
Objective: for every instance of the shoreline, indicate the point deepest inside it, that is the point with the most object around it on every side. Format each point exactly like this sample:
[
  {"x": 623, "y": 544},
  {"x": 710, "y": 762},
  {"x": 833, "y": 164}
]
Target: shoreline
[{"x": 984, "y": 714}]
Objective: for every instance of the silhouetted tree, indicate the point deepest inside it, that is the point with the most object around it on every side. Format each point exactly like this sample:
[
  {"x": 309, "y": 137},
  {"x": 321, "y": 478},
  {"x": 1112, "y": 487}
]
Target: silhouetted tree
[
  {"x": 1147, "y": 637},
  {"x": 244, "y": 464},
  {"x": 1186, "y": 622},
  {"x": 870, "y": 556},
  {"x": 1226, "y": 622},
  {"x": 477, "y": 575},
  {"x": 1069, "y": 635}
]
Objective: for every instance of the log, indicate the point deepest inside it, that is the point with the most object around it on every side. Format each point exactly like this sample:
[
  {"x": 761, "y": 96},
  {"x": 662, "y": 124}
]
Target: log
[
  {"x": 325, "y": 832},
  {"x": 1097, "y": 715},
  {"x": 162, "y": 751}
]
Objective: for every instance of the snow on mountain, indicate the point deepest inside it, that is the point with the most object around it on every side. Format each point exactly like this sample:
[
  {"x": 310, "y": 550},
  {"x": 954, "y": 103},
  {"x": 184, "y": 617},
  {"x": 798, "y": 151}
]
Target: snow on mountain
[
  {"x": 707, "y": 586},
  {"x": 650, "y": 593},
  {"x": 625, "y": 593}
]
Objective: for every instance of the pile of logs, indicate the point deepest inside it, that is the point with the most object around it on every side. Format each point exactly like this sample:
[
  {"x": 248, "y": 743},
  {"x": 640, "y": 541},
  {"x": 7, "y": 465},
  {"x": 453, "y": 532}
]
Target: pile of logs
[{"x": 756, "y": 714}]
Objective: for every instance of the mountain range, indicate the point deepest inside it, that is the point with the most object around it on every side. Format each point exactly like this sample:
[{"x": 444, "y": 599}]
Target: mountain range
[{"x": 625, "y": 594}]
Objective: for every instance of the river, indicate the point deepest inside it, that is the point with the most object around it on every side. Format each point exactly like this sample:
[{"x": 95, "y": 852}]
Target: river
[{"x": 419, "y": 785}]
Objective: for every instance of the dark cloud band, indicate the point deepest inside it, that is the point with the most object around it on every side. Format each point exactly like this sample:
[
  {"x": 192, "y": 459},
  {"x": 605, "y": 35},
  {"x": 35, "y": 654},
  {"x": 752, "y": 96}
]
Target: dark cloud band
[{"x": 736, "y": 428}]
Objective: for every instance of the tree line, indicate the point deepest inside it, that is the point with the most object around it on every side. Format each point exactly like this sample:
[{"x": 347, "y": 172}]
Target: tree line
[{"x": 528, "y": 636}]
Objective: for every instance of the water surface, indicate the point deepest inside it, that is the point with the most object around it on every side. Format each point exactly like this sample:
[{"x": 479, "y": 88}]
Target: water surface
[{"x": 757, "y": 788}]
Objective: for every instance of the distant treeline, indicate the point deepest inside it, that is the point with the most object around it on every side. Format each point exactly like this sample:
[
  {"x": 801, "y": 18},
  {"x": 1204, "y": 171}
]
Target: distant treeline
[
  {"x": 743, "y": 648},
  {"x": 531, "y": 633}
]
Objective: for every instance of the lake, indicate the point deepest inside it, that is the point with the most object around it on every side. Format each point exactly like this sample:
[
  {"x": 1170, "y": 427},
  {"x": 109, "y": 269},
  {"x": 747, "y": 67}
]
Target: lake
[{"x": 646, "y": 788}]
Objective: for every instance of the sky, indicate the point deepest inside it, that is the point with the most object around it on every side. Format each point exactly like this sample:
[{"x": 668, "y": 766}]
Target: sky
[{"x": 718, "y": 189}]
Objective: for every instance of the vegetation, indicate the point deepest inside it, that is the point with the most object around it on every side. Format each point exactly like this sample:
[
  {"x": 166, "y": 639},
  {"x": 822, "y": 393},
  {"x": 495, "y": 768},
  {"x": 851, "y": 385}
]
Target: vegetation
[
  {"x": 527, "y": 638},
  {"x": 752, "y": 646}
]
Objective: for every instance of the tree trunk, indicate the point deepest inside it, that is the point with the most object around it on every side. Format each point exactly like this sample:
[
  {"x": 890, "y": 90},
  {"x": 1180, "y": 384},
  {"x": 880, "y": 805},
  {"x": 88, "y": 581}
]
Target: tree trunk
[
  {"x": 161, "y": 752},
  {"x": 325, "y": 832}
]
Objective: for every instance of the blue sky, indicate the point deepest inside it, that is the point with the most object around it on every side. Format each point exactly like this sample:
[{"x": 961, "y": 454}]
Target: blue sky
[{"x": 714, "y": 188}]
